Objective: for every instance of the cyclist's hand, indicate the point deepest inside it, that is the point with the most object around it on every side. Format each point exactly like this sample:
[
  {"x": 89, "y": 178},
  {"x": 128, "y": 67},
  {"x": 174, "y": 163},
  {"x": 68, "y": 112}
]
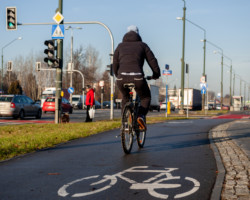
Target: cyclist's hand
[{"x": 155, "y": 76}]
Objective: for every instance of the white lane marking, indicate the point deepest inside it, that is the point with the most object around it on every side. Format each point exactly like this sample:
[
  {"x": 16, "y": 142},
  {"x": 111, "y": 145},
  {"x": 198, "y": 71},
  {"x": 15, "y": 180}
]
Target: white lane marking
[
  {"x": 151, "y": 184},
  {"x": 195, "y": 188}
]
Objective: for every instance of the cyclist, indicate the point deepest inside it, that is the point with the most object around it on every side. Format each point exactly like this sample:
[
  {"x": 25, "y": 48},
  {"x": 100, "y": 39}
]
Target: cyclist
[{"x": 128, "y": 61}]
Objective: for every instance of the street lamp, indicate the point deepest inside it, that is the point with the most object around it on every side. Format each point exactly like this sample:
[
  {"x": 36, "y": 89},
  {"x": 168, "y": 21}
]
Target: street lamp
[
  {"x": 230, "y": 87},
  {"x": 182, "y": 59},
  {"x": 221, "y": 52},
  {"x": 204, "y": 57},
  {"x": 71, "y": 60},
  {"x": 19, "y": 38}
]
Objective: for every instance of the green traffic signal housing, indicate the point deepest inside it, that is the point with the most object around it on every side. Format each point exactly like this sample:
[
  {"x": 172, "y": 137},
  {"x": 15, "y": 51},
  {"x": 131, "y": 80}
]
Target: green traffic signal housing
[
  {"x": 51, "y": 60},
  {"x": 11, "y": 18}
]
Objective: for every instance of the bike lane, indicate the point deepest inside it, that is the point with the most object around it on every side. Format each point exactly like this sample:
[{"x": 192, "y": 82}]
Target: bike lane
[{"x": 67, "y": 171}]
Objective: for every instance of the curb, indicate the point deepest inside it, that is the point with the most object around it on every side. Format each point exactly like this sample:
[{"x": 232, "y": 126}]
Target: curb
[{"x": 216, "y": 192}]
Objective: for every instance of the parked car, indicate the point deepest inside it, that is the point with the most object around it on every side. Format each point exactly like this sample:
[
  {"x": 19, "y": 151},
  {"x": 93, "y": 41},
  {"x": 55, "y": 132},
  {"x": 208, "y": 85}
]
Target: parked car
[
  {"x": 106, "y": 104},
  {"x": 210, "y": 106},
  {"x": 163, "y": 106},
  {"x": 49, "y": 105},
  {"x": 225, "y": 107},
  {"x": 19, "y": 106},
  {"x": 218, "y": 107}
]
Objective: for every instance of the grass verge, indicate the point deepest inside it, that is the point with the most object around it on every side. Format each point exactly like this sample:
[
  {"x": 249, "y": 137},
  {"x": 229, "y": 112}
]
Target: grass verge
[{"x": 21, "y": 139}]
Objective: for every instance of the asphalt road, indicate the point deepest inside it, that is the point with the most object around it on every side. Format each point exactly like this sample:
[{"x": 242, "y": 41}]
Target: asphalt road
[
  {"x": 177, "y": 162},
  {"x": 76, "y": 116}
]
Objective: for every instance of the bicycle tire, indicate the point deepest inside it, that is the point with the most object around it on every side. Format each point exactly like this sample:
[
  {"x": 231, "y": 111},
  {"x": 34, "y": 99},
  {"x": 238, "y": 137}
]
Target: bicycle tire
[
  {"x": 127, "y": 129},
  {"x": 140, "y": 138}
]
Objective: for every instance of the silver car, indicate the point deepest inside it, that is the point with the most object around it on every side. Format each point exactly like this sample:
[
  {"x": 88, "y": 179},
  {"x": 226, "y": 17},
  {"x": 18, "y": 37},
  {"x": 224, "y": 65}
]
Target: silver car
[{"x": 19, "y": 106}]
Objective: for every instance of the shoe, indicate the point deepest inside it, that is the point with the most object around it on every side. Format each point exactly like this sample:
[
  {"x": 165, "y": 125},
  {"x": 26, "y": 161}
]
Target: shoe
[{"x": 142, "y": 125}]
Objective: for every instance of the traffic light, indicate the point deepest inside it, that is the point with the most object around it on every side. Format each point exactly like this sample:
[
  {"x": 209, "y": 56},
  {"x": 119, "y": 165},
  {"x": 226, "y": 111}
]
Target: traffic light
[
  {"x": 9, "y": 66},
  {"x": 110, "y": 69},
  {"x": 38, "y": 66},
  {"x": 51, "y": 59},
  {"x": 11, "y": 23}
]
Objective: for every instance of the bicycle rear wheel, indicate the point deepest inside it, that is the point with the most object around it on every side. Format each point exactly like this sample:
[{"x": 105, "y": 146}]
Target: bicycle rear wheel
[
  {"x": 127, "y": 129},
  {"x": 141, "y": 137}
]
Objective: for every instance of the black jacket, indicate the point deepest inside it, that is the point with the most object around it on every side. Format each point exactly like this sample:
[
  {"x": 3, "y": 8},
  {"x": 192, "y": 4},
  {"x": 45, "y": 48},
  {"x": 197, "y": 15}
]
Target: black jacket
[{"x": 129, "y": 56}]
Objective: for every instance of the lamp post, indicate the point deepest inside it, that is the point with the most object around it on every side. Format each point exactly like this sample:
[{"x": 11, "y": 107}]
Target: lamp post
[
  {"x": 204, "y": 57},
  {"x": 71, "y": 60},
  {"x": 221, "y": 52},
  {"x": 230, "y": 86},
  {"x": 182, "y": 59}
]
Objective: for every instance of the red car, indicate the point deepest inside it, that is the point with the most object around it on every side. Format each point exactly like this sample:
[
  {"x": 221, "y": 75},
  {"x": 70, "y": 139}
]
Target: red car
[{"x": 49, "y": 105}]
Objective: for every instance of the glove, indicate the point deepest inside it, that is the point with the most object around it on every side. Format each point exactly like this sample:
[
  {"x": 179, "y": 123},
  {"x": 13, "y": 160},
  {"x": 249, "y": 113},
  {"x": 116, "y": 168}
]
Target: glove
[{"x": 155, "y": 76}]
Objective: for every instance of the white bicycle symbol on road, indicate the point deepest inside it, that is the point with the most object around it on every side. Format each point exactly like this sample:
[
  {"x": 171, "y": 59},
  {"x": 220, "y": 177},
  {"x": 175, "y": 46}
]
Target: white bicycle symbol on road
[{"x": 151, "y": 185}]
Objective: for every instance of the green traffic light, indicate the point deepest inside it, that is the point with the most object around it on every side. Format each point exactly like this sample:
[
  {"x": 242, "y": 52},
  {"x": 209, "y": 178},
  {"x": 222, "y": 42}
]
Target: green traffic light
[
  {"x": 50, "y": 63},
  {"x": 11, "y": 24}
]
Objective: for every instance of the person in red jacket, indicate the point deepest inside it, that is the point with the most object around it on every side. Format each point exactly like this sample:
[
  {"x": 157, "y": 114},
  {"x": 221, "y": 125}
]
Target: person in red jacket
[{"x": 90, "y": 101}]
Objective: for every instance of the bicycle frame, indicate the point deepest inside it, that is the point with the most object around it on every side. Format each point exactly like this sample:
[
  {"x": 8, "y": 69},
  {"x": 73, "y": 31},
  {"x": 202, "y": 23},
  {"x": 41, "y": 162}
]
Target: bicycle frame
[{"x": 135, "y": 108}]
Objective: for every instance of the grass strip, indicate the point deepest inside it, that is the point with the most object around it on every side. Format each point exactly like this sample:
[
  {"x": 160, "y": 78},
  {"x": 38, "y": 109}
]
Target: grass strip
[{"x": 21, "y": 139}]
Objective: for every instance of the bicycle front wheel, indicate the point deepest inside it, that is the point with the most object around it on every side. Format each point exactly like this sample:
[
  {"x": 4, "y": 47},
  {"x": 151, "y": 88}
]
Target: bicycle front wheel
[{"x": 127, "y": 129}]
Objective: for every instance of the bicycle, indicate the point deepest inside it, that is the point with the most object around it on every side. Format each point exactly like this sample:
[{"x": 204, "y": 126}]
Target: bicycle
[{"x": 130, "y": 126}]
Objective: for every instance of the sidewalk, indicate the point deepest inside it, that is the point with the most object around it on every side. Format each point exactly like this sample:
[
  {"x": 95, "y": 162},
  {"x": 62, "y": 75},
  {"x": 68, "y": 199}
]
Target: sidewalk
[{"x": 232, "y": 152}]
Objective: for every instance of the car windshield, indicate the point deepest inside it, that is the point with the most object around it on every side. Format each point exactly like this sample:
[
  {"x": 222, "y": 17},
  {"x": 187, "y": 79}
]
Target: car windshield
[
  {"x": 50, "y": 100},
  {"x": 5, "y": 99}
]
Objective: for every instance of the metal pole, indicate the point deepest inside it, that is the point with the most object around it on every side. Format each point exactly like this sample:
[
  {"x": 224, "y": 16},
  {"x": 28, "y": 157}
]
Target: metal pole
[
  {"x": 233, "y": 83},
  {"x": 221, "y": 70},
  {"x": 204, "y": 58},
  {"x": 221, "y": 101},
  {"x": 187, "y": 91},
  {"x": 59, "y": 72},
  {"x": 204, "y": 73},
  {"x": 2, "y": 74},
  {"x": 183, "y": 60},
  {"x": 71, "y": 61}
]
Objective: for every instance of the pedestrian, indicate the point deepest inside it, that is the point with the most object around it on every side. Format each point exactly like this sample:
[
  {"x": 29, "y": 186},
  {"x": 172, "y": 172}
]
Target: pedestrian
[
  {"x": 90, "y": 101},
  {"x": 128, "y": 61}
]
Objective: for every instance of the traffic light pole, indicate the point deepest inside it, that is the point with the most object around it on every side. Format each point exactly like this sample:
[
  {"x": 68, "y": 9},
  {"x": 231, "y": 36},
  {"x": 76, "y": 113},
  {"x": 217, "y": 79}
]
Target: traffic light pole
[
  {"x": 59, "y": 73},
  {"x": 60, "y": 56}
]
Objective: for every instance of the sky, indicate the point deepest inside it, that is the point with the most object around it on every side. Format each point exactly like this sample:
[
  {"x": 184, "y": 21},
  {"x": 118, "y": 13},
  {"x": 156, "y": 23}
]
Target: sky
[{"x": 226, "y": 23}]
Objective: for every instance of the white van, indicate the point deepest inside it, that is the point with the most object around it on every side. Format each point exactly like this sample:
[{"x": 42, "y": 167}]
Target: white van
[
  {"x": 48, "y": 92},
  {"x": 75, "y": 100}
]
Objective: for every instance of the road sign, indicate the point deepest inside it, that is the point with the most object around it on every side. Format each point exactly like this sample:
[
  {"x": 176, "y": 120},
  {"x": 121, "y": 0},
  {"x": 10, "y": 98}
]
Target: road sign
[
  {"x": 203, "y": 90},
  {"x": 203, "y": 79},
  {"x": 101, "y": 83},
  {"x": 167, "y": 72},
  {"x": 58, "y": 17},
  {"x": 203, "y": 85},
  {"x": 70, "y": 90},
  {"x": 57, "y": 31}
]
